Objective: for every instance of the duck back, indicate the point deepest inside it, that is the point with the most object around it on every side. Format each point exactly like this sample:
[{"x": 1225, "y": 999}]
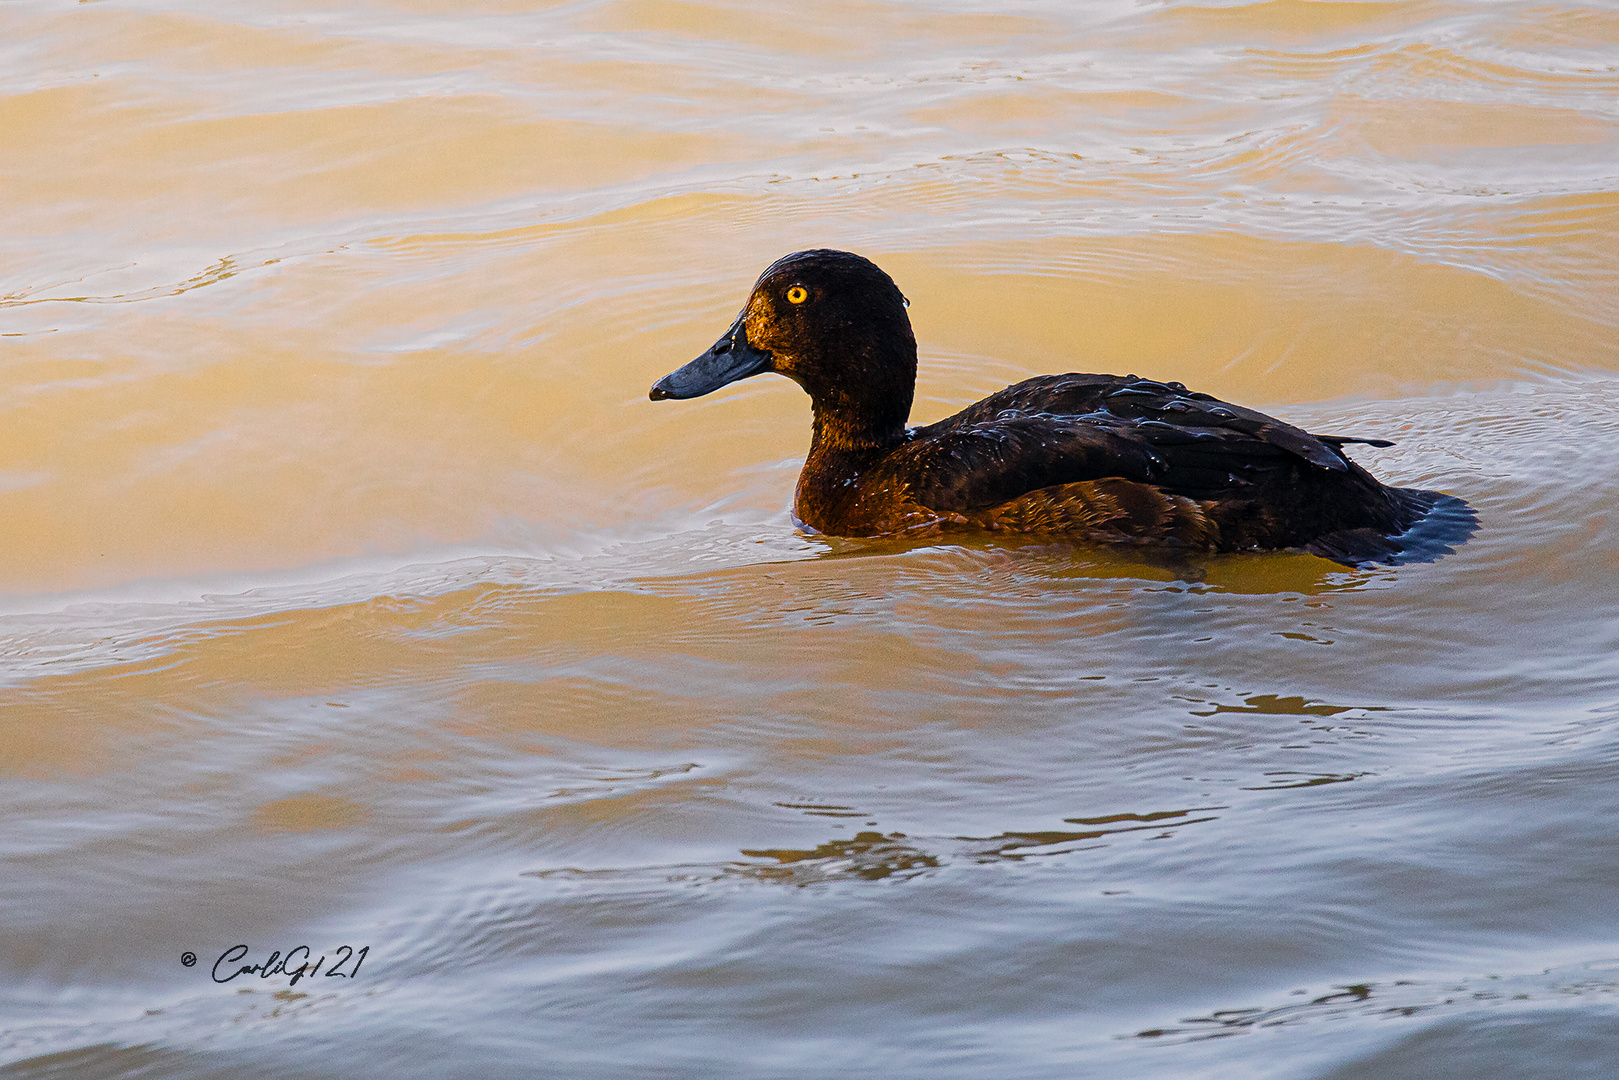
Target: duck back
[{"x": 1121, "y": 459}]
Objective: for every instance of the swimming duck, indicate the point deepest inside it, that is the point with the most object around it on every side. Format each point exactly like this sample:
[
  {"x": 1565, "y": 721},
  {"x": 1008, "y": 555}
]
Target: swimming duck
[{"x": 1102, "y": 457}]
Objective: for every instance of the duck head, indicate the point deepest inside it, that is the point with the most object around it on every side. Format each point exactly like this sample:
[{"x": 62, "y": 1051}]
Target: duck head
[{"x": 833, "y": 323}]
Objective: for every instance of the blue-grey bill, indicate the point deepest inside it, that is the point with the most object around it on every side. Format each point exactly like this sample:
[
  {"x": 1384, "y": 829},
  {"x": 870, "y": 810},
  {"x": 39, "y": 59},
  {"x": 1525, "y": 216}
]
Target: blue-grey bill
[{"x": 731, "y": 358}]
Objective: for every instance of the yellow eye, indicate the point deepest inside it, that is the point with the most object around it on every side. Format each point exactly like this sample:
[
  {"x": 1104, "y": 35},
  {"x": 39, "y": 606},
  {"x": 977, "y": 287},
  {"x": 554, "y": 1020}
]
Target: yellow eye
[{"x": 797, "y": 294}]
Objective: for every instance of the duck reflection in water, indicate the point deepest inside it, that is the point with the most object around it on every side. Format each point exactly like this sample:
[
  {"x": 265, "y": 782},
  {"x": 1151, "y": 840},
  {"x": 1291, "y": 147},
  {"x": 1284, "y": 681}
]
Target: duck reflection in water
[{"x": 1109, "y": 458}]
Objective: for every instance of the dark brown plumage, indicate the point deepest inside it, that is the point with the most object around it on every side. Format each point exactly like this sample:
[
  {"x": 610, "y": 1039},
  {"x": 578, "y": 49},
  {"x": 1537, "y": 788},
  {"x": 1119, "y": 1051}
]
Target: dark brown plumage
[{"x": 1104, "y": 457}]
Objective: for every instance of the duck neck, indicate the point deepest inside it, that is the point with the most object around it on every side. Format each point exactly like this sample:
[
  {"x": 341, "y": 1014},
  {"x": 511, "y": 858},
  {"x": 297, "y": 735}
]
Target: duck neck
[
  {"x": 837, "y": 431},
  {"x": 830, "y": 489},
  {"x": 870, "y": 414}
]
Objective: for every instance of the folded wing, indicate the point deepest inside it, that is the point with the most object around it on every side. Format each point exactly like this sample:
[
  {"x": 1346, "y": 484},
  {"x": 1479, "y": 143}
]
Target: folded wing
[{"x": 1059, "y": 429}]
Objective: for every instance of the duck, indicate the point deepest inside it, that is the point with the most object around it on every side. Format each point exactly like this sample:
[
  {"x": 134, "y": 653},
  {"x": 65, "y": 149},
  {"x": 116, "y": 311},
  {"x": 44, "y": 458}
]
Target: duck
[{"x": 1115, "y": 459}]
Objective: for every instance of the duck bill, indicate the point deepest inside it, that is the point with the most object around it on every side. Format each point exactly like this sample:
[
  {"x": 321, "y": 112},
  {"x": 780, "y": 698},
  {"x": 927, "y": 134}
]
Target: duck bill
[{"x": 731, "y": 358}]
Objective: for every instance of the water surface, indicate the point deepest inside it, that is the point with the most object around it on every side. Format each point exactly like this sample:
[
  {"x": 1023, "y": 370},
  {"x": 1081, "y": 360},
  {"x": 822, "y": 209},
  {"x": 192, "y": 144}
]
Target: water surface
[{"x": 353, "y": 594}]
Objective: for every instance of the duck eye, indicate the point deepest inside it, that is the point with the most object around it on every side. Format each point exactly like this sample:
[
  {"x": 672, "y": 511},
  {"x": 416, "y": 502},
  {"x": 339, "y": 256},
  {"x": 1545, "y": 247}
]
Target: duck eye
[{"x": 797, "y": 294}]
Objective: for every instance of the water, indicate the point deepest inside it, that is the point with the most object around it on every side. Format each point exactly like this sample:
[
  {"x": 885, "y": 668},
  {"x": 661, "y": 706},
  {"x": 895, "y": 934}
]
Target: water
[{"x": 355, "y": 595}]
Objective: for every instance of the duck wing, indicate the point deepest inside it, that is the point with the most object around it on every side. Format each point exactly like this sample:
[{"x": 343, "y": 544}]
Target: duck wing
[{"x": 1060, "y": 429}]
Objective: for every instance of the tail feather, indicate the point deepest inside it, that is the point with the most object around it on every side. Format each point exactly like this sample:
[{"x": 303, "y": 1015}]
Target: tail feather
[
  {"x": 1336, "y": 441},
  {"x": 1432, "y": 525}
]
